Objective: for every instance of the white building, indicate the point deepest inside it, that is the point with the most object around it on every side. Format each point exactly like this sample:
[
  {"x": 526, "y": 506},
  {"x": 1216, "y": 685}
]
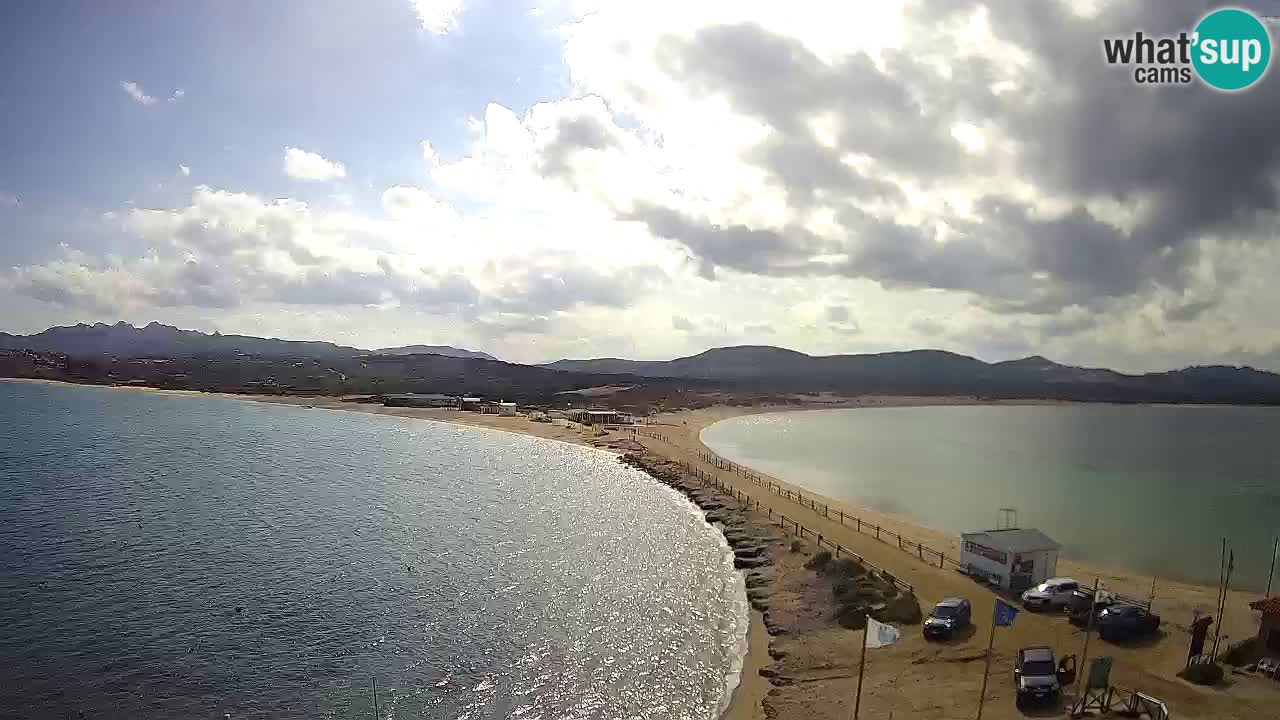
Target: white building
[
  {"x": 1014, "y": 559},
  {"x": 507, "y": 408}
]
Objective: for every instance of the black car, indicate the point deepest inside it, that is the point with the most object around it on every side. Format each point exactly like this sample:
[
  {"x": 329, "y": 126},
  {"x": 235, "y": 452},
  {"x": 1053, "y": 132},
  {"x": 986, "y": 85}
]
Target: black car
[
  {"x": 1083, "y": 601},
  {"x": 1118, "y": 622},
  {"x": 947, "y": 617}
]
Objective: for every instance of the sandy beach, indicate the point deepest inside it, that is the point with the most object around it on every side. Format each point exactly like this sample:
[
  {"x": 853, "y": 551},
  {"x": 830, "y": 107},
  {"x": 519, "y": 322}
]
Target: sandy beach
[{"x": 801, "y": 663}]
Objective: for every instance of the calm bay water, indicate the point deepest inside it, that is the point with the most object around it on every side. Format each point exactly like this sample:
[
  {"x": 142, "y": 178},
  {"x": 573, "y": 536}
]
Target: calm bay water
[
  {"x": 1150, "y": 489},
  {"x": 477, "y": 574}
]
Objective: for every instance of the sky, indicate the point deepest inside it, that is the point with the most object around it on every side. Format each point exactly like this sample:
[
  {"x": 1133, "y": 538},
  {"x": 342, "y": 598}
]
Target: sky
[{"x": 587, "y": 178}]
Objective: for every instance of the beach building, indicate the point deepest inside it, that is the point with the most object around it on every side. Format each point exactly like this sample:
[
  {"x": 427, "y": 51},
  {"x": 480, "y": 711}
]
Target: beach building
[
  {"x": 1268, "y": 644},
  {"x": 507, "y": 409},
  {"x": 430, "y": 400},
  {"x": 596, "y": 417},
  {"x": 468, "y": 402},
  {"x": 488, "y": 407},
  {"x": 1014, "y": 559}
]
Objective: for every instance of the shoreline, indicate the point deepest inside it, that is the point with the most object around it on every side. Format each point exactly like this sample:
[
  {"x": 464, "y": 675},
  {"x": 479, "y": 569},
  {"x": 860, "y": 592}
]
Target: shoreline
[
  {"x": 1177, "y": 594},
  {"x": 778, "y": 672},
  {"x": 746, "y": 695}
]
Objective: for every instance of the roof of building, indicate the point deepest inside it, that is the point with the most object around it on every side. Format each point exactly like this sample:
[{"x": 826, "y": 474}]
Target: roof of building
[
  {"x": 1269, "y": 606},
  {"x": 507, "y": 404},
  {"x": 1014, "y": 539},
  {"x": 469, "y": 398},
  {"x": 422, "y": 396}
]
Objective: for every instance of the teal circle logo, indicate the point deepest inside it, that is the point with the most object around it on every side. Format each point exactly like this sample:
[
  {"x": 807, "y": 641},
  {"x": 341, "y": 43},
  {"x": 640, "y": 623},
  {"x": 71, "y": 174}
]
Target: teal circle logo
[{"x": 1232, "y": 49}]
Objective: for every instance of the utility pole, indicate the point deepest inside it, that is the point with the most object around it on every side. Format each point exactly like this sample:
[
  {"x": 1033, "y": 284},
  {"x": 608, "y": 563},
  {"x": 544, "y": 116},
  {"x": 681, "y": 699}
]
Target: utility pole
[{"x": 375, "y": 697}]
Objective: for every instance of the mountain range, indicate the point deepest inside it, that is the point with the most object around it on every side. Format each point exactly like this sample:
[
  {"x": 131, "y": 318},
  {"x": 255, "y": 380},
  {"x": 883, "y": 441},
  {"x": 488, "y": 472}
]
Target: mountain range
[
  {"x": 156, "y": 340},
  {"x": 933, "y": 372},
  {"x": 445, "y": 350},
  {"x": 747, "y": 371}
]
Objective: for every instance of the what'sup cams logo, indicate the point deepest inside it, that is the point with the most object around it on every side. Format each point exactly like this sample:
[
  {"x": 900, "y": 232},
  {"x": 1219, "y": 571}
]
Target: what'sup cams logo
[{"x": 1229, "y": 49}]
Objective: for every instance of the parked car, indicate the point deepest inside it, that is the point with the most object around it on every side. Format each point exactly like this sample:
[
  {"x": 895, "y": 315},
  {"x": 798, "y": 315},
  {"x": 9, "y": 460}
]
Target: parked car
[
  {"x": 1052, "y": 593},
  {"x": 948, "y": 616},
  {"x": 1082, "y": 600},
  {"x": 1037, "y": 679},
  {"x": 1127, "y": 621}
]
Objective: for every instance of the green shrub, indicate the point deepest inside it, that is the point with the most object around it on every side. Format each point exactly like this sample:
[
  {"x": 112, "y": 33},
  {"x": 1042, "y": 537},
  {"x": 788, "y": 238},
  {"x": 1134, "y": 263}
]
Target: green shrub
[
  {"x": 1203, "y": 674},
  {"x": 852, "y": 616},
  {"x": 845, "y": 567},
  {"x": 819, "y": 562}
]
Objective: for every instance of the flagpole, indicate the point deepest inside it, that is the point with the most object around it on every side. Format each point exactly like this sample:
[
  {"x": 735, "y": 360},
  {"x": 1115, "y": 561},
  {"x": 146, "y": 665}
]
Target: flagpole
[
  {"x": 1272, "y": 574},
  {"x": 1088, "y": 630},
  {"x": 986, "y": 671},
  {"x": 862, "y": 663},
  {"x": 1222, "y": 608}
]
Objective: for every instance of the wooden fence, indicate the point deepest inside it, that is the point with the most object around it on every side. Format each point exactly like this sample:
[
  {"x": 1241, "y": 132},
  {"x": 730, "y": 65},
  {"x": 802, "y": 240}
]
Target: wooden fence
[
  {"x": 789, "y": 525},
  {"x": 923, "y": 552}
]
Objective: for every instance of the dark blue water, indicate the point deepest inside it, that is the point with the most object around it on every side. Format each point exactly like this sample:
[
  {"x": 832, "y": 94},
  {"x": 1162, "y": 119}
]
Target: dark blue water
[
  {"x": 476, "y": 574},
  {"x": 1151, "y": 489}
]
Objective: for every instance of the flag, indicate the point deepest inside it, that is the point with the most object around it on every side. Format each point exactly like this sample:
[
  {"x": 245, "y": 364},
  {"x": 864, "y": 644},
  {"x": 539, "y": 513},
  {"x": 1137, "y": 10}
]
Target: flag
[
  {"x": 880, "y": 634},
  {"x": 1005, "y": 613}
]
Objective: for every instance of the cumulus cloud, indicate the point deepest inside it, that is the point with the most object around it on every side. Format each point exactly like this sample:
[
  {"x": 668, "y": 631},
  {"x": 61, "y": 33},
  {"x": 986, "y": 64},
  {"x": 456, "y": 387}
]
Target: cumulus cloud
[
  {"x": 302, "y": 165},
  {"x": 964, "y": 174},
  {"x": 438, "y": 16},
  {"x": 228, "y": 249},
  {"x": 135, "y": 91},
  {"x": 184, "y": 170}
]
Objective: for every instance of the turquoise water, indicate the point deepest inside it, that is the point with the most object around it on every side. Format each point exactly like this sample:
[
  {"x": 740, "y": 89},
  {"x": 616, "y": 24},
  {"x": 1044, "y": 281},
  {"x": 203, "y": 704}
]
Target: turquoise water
[
  {"x": 1150, "y": 489},
  {"x": 476, "y": 574}
]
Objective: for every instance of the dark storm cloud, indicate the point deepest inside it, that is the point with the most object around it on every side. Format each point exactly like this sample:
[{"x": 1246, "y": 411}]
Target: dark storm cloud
[
  {"x": 573, "y": 134},
  {"x": 539, "y": 286},
  {"x": 1186, "y": 159},
  {"x": 764, "y": 252}
]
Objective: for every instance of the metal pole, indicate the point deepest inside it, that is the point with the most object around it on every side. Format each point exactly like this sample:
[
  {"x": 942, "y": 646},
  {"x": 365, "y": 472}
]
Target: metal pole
[
  {"x": 986, "y": 671},
  {"x": 1272, "y": 574},
  {"x": 862, "y": 664},
  {"x": 375, "y": 697},
  {"x": 1222, "y": 610},
  {"x": 1088, "y": 630}
]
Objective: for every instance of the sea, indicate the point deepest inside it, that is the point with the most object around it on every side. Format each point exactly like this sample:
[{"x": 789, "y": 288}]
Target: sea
[
  {"x": 1146, "y": 489},
  {"x": 168, "y": 556}
]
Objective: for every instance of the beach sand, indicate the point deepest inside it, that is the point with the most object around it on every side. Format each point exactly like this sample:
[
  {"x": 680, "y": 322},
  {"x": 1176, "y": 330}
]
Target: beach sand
[
  {"x": 811, "y": 665},
  {"x": 941, "y": 680}
]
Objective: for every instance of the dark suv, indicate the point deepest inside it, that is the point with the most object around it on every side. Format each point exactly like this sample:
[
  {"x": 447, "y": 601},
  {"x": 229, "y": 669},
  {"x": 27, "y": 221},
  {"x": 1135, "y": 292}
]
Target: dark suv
[
  {"x": 947, "y": 617},
  {"x": 1035, "y": 676}
]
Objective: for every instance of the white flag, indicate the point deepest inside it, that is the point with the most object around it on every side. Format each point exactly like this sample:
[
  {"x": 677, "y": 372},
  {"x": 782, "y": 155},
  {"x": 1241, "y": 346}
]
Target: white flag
[{"x": 879, "y": 634}]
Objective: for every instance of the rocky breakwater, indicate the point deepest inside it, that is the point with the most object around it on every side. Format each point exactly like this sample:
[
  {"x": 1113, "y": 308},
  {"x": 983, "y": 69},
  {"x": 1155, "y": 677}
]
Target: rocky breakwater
[{"x": 756, "y": 545}]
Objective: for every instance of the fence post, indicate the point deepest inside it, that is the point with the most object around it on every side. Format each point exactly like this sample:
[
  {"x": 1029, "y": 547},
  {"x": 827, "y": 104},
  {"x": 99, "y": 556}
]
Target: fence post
[
  {"x": 921, "y": 549},
  {"x": 859, "y": 523},
  {"x": 899, "y": 542},
  {"x": 877, "y": 532},
  {"x": 942, "y": 558}
]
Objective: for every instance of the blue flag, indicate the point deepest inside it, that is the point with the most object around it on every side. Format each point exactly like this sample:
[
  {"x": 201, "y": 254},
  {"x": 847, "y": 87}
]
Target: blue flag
[{"x": 1005, "y": 613}]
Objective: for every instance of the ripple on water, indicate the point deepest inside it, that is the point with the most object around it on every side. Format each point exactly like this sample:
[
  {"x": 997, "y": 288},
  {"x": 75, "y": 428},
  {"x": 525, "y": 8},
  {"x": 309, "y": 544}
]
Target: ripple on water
[{"x": 475, "y": 573}]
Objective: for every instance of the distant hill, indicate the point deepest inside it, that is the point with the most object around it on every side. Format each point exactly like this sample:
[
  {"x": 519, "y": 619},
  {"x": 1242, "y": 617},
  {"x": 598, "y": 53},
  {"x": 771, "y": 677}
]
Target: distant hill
[
  {"x": 445, "y": 350},
  {"x": 934, "y": 372},
  {"x": 156, "y": 340},
  {"x": 170, "y": 357}
]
